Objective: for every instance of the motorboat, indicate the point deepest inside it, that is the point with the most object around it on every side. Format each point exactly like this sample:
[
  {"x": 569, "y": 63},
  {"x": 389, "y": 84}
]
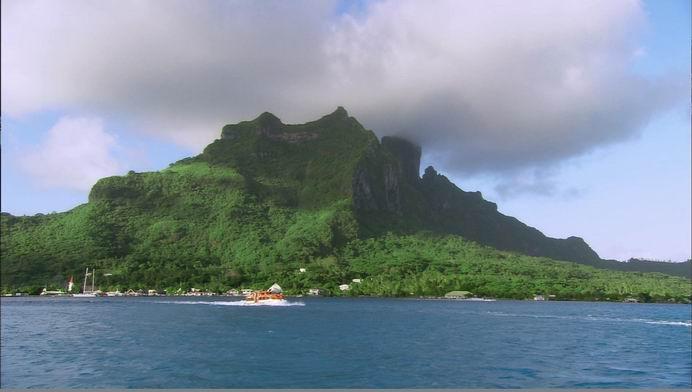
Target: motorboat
[{"x": 272, "y": 296}]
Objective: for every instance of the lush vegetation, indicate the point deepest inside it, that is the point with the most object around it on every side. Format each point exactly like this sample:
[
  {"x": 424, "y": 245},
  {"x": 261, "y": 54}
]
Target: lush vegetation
[
  {"x": 431, "y": 265},
  {"x": 667, "y": 267},
  {"x": 266, "y": 200}
]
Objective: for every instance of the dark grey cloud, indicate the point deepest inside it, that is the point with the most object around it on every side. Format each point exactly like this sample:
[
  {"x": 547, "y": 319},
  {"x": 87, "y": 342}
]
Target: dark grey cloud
[
  {"x": 484, "y": 86},
  {"x": 534, "y": 182}
]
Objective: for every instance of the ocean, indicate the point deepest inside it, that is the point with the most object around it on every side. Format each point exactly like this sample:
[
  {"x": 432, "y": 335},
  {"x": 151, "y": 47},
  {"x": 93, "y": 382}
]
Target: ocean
[{"x": 211, "y": 342}]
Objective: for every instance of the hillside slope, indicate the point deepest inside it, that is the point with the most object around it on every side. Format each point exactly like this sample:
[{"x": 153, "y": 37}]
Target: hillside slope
[{"x": 268, "y": 198}]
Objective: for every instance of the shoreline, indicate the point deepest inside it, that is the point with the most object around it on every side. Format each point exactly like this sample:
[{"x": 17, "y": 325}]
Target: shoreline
[{"x": 431, "y": 298}]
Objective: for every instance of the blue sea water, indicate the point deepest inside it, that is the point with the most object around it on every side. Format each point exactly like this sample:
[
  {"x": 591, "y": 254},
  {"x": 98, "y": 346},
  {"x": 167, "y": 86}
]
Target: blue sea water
[{"x": 342, "y": 343}]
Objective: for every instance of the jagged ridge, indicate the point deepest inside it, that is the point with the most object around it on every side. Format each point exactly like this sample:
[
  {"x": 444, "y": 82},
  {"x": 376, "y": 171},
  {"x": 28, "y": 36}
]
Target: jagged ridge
[{"x": 335, "y": 157}]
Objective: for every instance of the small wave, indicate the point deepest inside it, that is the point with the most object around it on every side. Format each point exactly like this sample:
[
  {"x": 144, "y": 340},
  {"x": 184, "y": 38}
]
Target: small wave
[
  {"x": 232, "y": 303},
  {"x": 595, "y": 318},
  {"x": 550, "y": 316},
  {"x": 681, "y": 323},
  {"x": 646, "y": 321}
]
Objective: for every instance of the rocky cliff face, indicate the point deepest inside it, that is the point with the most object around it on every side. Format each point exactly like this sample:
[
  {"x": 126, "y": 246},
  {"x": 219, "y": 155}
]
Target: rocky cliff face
[
  {"x": 376, "y": 182},
  {"x": 390, "y": 184},
  {"x": 407, "y": 156},
  {"x": 363, "y": 196},
  {"x": 469, "y": 215}
]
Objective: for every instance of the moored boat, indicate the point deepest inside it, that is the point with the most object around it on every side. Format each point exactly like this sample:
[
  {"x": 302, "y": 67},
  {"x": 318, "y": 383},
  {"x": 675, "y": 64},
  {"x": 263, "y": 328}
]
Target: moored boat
[
  {"x": 92, "y": 292},
  {"x": 58, "y": 293},
  {"x": 84, "y": 295}
]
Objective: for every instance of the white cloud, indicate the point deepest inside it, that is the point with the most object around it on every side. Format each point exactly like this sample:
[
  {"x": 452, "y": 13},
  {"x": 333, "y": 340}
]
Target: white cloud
[
  {"x": 486, "y": 86},
  {"x": 76, "y": 152}
]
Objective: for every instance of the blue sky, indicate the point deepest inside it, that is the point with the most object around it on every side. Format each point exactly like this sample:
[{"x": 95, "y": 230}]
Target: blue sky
[
  {"x": 148, "y": 103},
  {"x": 23, "y": 194}
]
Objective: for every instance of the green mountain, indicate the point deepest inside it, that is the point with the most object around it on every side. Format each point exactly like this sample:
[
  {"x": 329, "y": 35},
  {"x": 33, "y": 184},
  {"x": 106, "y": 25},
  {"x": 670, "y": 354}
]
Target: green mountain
[
  {"x": 667, "y": 267},
  {"x": 267, "y": 199}
]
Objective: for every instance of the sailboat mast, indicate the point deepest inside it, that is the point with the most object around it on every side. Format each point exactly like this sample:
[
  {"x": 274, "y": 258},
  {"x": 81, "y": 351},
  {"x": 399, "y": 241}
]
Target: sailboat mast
[
  {"x": 93, "y": 277},
  {"x": 86, "y": 274}
]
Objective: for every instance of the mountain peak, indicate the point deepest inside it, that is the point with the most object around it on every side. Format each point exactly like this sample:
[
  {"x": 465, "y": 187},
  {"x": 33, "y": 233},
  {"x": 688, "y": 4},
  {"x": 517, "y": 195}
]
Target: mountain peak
[
  {"x": 430, "y": 173},
  {"x": 340, "y": 112},
  {"x": 268, "y": 122}
]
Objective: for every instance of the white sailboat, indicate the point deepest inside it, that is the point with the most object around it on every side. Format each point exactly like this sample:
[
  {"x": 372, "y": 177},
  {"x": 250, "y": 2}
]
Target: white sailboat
[{"x": 84, "y": 292}]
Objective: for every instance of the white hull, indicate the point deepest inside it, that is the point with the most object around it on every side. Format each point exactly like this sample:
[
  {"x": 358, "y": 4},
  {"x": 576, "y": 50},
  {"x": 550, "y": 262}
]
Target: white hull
[
  {"x": 114, "y": 294},
  {"x": 478, "y": 299},
  {"x": 266, "y": 302},
  {"x": 84, "y": 295}
]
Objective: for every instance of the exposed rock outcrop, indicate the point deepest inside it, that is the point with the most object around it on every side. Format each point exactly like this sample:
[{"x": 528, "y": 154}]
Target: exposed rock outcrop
[
  {"x": 392, "y": 197},
  {"x": 408, "y": 156},
  {"x": 436, "y": 203},
  {"x": 363, "y": 197}
]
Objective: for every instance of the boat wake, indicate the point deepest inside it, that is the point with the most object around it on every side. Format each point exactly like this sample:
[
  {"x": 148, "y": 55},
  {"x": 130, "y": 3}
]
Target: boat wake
[
  {"x": 232, "y": 303},
  {"x": 681, "y": 323},
  {"x": 687, "y": 323}
]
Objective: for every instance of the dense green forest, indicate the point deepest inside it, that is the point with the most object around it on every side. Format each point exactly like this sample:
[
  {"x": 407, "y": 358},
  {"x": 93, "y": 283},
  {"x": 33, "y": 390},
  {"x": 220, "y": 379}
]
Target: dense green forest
[{"x": 268, "y": 199}]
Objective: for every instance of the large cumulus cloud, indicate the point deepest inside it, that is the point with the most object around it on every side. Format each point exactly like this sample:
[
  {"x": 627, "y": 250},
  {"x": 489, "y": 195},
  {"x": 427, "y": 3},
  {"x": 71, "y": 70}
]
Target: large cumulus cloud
[
  {"x": 76, "y": 153},
  {"x": 485, "y": 86}
]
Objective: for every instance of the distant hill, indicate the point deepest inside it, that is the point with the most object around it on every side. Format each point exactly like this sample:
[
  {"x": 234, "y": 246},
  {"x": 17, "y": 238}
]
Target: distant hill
[
  {"x": 267, "y": 198},
  {"x": 667, "y": 267}
]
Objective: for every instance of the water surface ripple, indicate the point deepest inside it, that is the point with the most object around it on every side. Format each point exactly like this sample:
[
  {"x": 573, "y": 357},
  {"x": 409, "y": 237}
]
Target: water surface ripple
[{"x": 342, "y": 343}]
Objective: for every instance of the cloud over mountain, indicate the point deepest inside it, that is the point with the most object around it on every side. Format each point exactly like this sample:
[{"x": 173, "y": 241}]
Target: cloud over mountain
[
  {"x": 75, "y": 154},
  {"x": 482, "y": 85}
]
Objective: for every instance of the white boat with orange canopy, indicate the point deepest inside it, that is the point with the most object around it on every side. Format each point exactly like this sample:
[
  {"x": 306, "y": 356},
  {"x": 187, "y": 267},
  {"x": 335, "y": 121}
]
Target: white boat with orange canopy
[{"x": 273, "y": 295}]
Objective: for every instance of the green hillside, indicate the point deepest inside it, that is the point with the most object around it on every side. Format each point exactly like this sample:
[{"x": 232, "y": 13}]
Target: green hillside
[{"x": 267, "y": 199}]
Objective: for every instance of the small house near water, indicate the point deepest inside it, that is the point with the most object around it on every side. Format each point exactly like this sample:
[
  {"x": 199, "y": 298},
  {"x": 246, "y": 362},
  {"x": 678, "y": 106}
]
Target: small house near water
[
  {"x": 314, "y": 292},
  {"x": 458, "y": 294}
]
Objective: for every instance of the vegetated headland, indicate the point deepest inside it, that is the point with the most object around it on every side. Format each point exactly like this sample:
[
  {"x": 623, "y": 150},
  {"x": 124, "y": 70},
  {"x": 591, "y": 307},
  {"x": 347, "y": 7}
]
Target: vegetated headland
[{"x": 312, "y": 206}]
